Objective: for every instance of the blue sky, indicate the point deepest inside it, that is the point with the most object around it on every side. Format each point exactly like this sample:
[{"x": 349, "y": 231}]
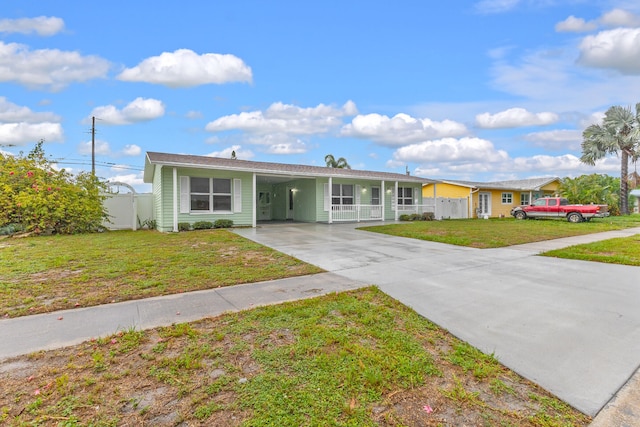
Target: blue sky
[{"x": 475, "y": 90}]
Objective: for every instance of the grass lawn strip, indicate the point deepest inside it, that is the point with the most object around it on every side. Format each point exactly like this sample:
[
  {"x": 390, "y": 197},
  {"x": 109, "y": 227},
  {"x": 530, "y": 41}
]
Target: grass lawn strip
[
  {"x": 501, "y": 232},
  {"x": 44, "y": 274},
  {"x": 351, "y": 359},
  {"x": 624, "y": 250}
]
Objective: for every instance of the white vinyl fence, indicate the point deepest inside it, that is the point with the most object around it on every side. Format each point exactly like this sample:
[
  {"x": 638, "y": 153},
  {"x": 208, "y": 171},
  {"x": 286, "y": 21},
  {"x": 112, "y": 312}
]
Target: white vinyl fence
[
  {"x": 449, "y": 208},
  {"x": 128, "y": 211}
]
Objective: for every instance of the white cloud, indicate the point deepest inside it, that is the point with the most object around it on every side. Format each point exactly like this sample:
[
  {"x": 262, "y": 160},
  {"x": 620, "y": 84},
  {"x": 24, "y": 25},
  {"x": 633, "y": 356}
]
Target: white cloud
[
  {"x": 193, "y": 114},
  {"x": 560, "y": 139},
  {"x": 28, "y": 133},
  {"x": 400, "y": 129},
  {"x": 138, "y": 110},
  {"x": 617, "y": 49},
  {"x": 495, "y": 6},
  {"x": 463, "y": 150},
  {"x": 50, "y": 68},
  {"x": 227, "y": 152},
  {"x": 102, "y": 148},
  {"x": 131, "y": 150},
  {"x": 41, "y": 25},
  {"x": 134, "y": 180},
  {"x": 295, "y": 147},
  {"x": 515, "y": 117},
  {"x": 620, "y": 18},
  {"x": 575, "y": 25},
  {"x": 285, "y": 119},
  {"x": 185, "y": 68},
  {"x": 10, "y": 112}
]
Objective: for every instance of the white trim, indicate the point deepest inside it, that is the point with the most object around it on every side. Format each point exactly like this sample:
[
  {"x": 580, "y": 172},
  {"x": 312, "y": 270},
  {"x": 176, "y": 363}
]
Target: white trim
[
  {"x": 175, "y": 200},
  {"x": 185, "y": 197},
  {"x": 382, "y": 201},
  {"x": 254, "y": 222},
  {"x": 237, "y": 195},
  {"x": 330, "y": 200},
  {"x": 394, "y": 203}
]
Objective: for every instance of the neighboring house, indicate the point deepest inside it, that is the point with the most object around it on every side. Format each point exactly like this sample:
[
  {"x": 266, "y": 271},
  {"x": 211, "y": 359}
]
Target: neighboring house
[
  {"x": 494, "y": 199},
  {"x": 190, "y": 188}
]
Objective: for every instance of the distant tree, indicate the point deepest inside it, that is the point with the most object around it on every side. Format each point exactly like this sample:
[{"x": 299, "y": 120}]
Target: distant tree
[
  {"x": 38, "y": 198},
  {"x": 619, "y": 134},
  {"x": 595, "y": 188},
  {"x": 331, "y": 162}
]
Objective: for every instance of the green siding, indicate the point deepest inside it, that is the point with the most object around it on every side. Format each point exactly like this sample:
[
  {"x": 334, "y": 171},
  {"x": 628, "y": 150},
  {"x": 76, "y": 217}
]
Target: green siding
[{"x": 165, "y": 214}]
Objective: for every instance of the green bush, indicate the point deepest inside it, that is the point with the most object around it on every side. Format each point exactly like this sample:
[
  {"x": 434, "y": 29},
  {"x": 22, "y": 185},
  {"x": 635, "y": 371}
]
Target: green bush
[
  {"x": 223, "y": 223},
  {"x": 43, "y": 199},
  {"x": 202, "y": 225},
  {"x": 10, "y": 229},
  {"x": 405, "y": 217},
  {"x": 184, "y": 226},
  {"x": 427, "y": 216}
]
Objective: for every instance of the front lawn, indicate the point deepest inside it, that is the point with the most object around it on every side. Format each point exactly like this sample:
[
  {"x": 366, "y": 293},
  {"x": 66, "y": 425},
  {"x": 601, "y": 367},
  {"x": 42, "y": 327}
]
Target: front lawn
[
  {"x": 500, "y": 232},
  {"x": 350, "y": 359},
  {"x": 43, "y": 274},
  {"x": 624, "y": 251}
]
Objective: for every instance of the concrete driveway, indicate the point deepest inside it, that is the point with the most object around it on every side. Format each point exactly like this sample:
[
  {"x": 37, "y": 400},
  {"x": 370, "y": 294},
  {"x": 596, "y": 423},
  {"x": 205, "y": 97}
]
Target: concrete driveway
[{"x": 572, "y": 327}]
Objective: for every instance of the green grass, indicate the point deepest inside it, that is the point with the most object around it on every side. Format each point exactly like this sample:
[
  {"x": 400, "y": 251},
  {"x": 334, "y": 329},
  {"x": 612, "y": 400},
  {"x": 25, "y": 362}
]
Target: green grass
[
  {"x": 351, "y": 359},
  {"x": 43, "y": 274},
  {"x": 495, "y": 233},
  {"x": 624, "y": 251}
]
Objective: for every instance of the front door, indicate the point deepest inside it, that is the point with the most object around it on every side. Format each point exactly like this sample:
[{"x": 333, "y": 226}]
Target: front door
[
  {"x": 290, "y": 196},
  {"x": 264, "y": 206},
  {"x": 484, "y": 204}
]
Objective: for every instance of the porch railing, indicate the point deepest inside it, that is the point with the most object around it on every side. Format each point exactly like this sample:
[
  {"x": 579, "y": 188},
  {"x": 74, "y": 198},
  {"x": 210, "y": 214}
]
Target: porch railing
[{"x": 344, "y": 213}]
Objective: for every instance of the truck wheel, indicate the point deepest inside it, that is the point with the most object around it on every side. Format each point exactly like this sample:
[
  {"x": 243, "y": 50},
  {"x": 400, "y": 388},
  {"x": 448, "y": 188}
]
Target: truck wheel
[
  {"x": 520, "y": 215},
  {"x": 574, "y": 217}
]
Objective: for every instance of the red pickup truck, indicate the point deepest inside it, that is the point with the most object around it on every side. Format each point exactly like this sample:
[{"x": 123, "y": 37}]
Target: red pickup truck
[{"x": 558, "y": 207}]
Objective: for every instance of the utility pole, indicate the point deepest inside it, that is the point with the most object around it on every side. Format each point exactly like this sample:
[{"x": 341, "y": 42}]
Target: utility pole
[{"x": 93, "y": 145}]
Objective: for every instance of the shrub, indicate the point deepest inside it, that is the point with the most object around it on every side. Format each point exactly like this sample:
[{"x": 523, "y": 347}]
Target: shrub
[
  {"x": 202, "y": 225},
  {"x": 42, "y": 199},
  {"x": 428, "y": 216},
  {"x": 184, "y": 226},
  {"x": 405, "y": 217},
  {"x": 223, "y": 223}
]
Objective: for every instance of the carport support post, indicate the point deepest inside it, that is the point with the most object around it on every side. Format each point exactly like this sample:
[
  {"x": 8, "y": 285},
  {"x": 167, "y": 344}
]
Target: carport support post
[
  {"x": 435, "y": 201},
  {"x": 330, "y": 201},
  {"x": 396, "y": 201},
  {"x": 254, "y": 202},
  {"x": 383, "y": 190},
  {"x": 175, "y": 200}
]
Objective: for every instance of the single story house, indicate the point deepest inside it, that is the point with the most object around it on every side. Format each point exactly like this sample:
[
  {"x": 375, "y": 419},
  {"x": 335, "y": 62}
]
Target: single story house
[
  {"x": 189, "y": 188},
  {"x": 494, "y": 199}
]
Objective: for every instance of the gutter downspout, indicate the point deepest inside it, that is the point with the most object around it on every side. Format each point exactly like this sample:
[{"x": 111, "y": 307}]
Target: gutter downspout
[
  {"x": 471, "y": 192},
  {"x": 175, "y": 200}
]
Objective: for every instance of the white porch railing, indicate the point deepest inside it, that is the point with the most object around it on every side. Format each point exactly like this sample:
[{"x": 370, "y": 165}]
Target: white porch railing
[
  {"x": 356, "y": 213},
  {"x": 344, "y": 213}
]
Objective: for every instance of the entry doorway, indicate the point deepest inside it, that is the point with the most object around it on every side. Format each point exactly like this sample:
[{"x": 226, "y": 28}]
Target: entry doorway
[
  {"x": 290, "y": 204},
  {"x": 484, "y": 204},
  {"x": 264, "y": 206}
]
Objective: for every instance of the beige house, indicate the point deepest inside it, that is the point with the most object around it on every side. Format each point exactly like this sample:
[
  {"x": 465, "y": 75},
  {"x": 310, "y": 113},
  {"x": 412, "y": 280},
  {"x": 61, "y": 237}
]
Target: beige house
[{"x": 493, "y": 199}]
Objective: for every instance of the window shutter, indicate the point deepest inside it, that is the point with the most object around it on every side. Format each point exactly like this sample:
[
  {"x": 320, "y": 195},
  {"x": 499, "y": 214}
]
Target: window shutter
[
  {"x": 184, "y": 194},
  {"x": 358, "y": 192},
  {"x": 394, "y": 199},
  {"x": 326, "y": 197},
  {"x": 237, "y": 195}
]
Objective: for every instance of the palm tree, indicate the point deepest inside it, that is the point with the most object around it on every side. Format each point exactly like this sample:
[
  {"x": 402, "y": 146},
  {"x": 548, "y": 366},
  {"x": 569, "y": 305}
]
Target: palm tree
[
  {"x": 619, "y": 134},
  {"x": 341, "y": 163}
]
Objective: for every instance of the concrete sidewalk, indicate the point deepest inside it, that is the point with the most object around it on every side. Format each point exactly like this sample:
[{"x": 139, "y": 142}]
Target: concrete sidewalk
[{"x": 24, "y": 335}]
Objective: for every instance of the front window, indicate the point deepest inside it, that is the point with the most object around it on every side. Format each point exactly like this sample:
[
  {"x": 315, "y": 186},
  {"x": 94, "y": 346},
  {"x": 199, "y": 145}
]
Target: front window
[
  {"x": 342, "y": 194},
  {"x": 405, "y": 196},
  {"x": 507, "y": 198},
  {"x": 524, "y": 199},
  {"x": 210, "y": 194}
]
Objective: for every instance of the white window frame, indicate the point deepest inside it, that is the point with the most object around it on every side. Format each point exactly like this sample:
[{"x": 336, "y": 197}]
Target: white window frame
[
  {"x": 507, "y": 198},
  {"x": 525, "y": 200},
  {"x": 403, "y": 198},
  {"x": 339, "y": 198},
  {"x": 211, "y": 195}
]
